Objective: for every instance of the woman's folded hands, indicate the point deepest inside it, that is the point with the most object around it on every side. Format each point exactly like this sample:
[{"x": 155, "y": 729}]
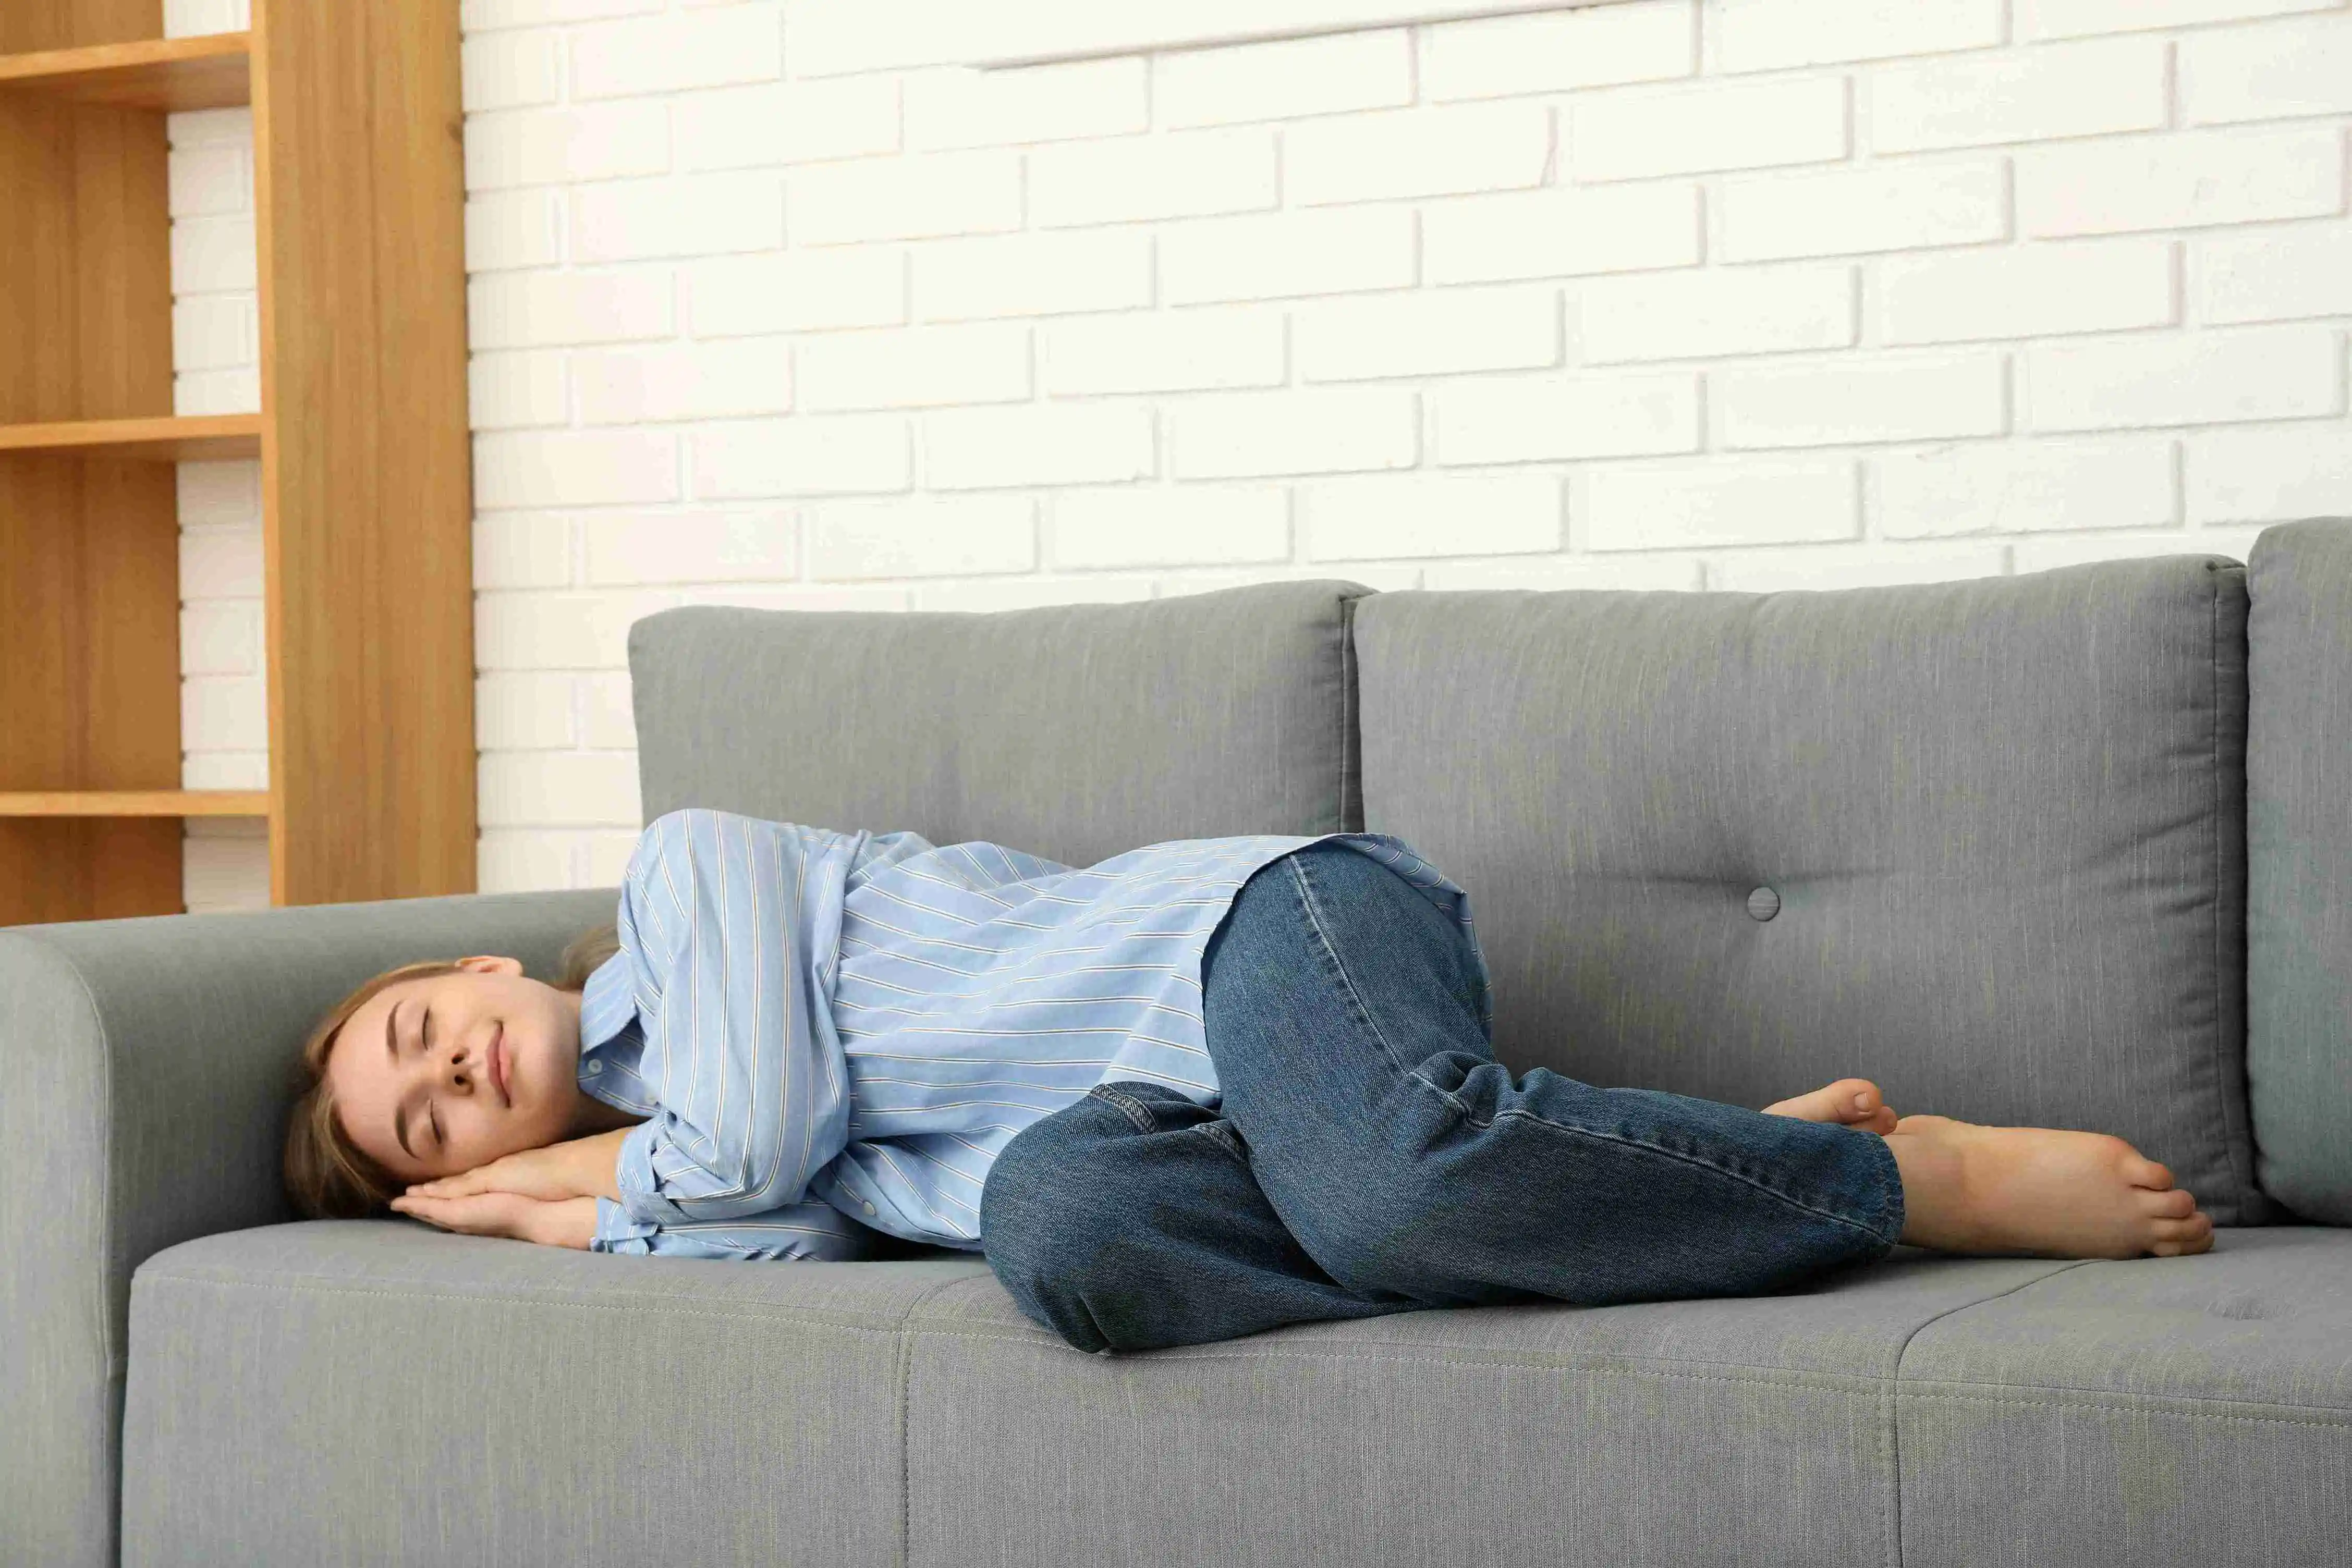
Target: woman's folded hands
[{"x": 547, "y": 1195}]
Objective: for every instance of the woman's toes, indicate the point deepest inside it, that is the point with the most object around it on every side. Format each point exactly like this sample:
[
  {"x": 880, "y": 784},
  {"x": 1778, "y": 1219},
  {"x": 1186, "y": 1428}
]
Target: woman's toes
[
  {"x": 2173, "y": 1203},
  {"x": 1854, "y": 1101},
  {"x": 2141, "y": 1171}
]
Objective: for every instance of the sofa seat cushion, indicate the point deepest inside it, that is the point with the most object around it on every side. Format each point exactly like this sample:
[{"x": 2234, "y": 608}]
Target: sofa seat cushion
[
  {"x": 2192, "y": 1410},
  {"x": 372, "y": 1391},
  {"x": 1983, "y": 841}
]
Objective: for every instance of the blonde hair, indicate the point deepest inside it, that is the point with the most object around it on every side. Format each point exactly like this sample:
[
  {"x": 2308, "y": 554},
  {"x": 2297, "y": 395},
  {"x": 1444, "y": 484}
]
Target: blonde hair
[{"x": 328, "y": 1176}]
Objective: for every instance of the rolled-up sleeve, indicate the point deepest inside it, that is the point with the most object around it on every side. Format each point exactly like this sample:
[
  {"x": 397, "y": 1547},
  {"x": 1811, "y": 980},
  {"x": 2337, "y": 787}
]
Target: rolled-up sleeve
[
  {"x": 802, "y": 1232},
  {"x": 754, "y": 1096}
]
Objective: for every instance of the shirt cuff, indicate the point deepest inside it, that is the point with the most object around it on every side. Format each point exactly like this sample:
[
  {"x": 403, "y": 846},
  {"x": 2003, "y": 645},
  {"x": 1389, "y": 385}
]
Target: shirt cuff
[
  {"x": 633, "y": 1172},
  {"x": 616, "y": 1232}
]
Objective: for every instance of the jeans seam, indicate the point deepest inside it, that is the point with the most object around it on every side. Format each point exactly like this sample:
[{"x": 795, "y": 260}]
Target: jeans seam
[
  {"x": 1875, "y": 1232},
  {"x": 1218, "y": 1135},
  {"x": 1135, "y": 1110},
  {"x": 1331, "y": 955}
]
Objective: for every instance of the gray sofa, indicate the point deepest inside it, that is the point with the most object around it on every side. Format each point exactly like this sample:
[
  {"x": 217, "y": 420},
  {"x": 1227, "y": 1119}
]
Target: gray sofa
[{"x": 2028, "y": 841}]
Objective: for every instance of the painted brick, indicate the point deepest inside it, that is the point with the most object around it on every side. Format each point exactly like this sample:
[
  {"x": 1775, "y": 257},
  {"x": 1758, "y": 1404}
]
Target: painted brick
[
  {"x": 630, "y": 547},
  {"x": 1717, "y": 502},
  {"x": 705, "y": 215},
  {"x": 607, "y": 856},
  {"x": 1501, "y": 56},
  {"x": 212, "y": 254},
  {"x": 558, "y": 789},
  {"x": 2009, "y": 487},
  {"x": 1637, "y": 573},
  {"x": 526, "y": 861},
  {"x": 220, "y": 639},
  {"x": 536, "y": 310},
  {"x": 1830, "y": 565},
  {"x": 1380, "y": 577},
  {"x": 524, "y": 711},
  {"x": 923, "y": 538},
  {"x": 220, "y": 495},
  {"x": 958, "y": 107},
  {"x": 1184, "y": 350},
  {"x": 187, "y": 18},
  {"x": 2047, "y": 552},
  {"x": 608, "y": 712},
  {"x": 507, "y": 229},
  {"x": 1519, "y": 419},
  {"x": 1327, "y": 431},
  {"x": 482, "y": 15},
  {"x": 2274, "y": 276},
  {"x": 2269, "y": 475},
  {"x": 2180, "y": 181},
  {"x": 551, "y": 146},
  {"x": 2267, "y": 73},
  {"x": 905, "y": 198},
  {"x": 709, "y": 48},
  {"x": 511, "y": 70},
  {"x": 2071, "y": 18},
  {"x": 807, "y": 122},
  {"x": 1425, "y": 333},
  {"x": 1830, "y": 406},
  {"x": 1190, "y": 525},
  {"x": 210, "y": 179},
  {"x": 801, "y": 292},
  {"x": 1776, "y": 216},
  {"x": 1290, "y": 254},
  {"x": 2040, "y": 95},
  {"x": 214, "y": 331},
  {"x": 229, "y": 711},
  {"x": 225, "y": 769},
  {"x": 559, "y": 630},
  {"x": 2209, "y": 378},
  {"x": 535, "y": 468},
  {"x": 1431, "y": 514},
  {"x": 994, "y": 594},
  {"x": 931, "y": 367},
  {"x": 1033, "y": 274},
  {"x": 220, "y": 563},
  {"x": 2091, "y": 286},
  {"x": 1685, "y": 315},
  {"x": 1770, "y": 35},
  {"x": 1283, "y": 79},
  {"x": 1642, "y": 132},
  {"x": 226, "y": 865},
  {"x": 1560, "y": 232},
  {"x": 735, "y": 379},
  {"x": 1187, "y": 175},
  {"x": 522, "y": 549},
  {"x": 837, "y": 37},
  {"x": 1073, "y": 444},
  {"x": 514, "y": 391},
  {"x": 215, "y": 391},
  {"x": 1417, "y": 152},
  {"x": 803, "y": 596},
  {"x": 837, "y": 455},
  {"x": 203, "y": 127}
]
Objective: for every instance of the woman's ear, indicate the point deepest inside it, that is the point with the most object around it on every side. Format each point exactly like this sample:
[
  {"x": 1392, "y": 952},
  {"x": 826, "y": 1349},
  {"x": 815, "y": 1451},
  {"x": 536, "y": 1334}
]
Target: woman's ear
[{"x": 491, "y": 963}]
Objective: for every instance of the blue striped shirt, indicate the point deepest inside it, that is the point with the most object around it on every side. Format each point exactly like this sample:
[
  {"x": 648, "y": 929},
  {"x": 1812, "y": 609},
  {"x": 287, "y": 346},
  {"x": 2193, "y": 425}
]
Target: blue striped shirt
[{"x": 833, "y": 1033}]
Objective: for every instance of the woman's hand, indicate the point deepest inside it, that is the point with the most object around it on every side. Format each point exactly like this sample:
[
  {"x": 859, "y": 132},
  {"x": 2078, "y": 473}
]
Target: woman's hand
[
  {"x": 563, "y": 1222},
  {"x": 582, "y": 1168}
]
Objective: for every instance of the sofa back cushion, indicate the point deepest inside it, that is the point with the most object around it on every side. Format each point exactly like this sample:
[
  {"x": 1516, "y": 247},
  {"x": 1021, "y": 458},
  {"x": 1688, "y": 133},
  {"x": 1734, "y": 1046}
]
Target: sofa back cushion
[
  {"x": 1075, "y": 732},
  {"x": 2299, "y": 840},
  {"x": 1983, "y": 842}
]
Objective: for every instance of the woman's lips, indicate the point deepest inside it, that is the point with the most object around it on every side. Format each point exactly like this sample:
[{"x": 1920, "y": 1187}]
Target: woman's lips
[{"x": 498, "y": 1064}]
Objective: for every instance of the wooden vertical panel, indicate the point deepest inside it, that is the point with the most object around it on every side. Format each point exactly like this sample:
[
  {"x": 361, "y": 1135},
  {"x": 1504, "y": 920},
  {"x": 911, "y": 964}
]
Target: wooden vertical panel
[
  {"x": 29, "y": 26},
  {"x": 366, "y": 478},
  {"x": 88, "y": 546}
]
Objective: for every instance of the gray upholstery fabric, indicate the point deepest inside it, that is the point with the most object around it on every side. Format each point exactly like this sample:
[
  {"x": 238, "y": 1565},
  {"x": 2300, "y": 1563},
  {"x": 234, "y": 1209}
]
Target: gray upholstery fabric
[
  {"x": 1074, "y": 731},
  {"x": 370, "y": 1392},
  {"x": 2003, "y": 821},
  {"x": 147, "y": 1070},
  {"x": 2189, "y": 1412},
  {"x": 2299, "y": 865}
]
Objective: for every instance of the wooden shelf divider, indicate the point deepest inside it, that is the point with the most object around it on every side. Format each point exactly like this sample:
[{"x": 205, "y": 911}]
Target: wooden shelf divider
[
  {"x": 195, "y": 439},
  {"x": 166, "y": 74},
  {"x": 134, "y": 803}
]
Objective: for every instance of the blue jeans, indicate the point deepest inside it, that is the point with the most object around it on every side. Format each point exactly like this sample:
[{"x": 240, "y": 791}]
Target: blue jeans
[{"x": 1371, "y": 1155}]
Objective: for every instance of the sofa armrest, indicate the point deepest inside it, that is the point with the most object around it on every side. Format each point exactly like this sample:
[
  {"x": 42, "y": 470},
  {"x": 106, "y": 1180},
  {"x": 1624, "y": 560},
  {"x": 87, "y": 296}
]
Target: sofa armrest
[{"x": 146, "y": 1069}]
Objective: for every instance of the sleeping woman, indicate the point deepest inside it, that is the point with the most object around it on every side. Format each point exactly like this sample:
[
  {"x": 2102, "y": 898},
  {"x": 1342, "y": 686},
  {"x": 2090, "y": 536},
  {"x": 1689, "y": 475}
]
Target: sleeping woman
[{"x": 1200, "y": 1090}]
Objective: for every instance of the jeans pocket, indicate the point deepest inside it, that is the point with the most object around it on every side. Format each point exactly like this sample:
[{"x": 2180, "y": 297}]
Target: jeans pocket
[{"x": 1222, "y": 1133}]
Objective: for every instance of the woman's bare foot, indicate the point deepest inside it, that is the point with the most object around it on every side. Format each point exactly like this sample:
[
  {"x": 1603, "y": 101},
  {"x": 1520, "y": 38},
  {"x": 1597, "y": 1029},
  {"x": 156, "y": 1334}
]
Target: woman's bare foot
[
  {"x": 1851, "y": 1101},
  {"x": 2039, "y": 1192}
]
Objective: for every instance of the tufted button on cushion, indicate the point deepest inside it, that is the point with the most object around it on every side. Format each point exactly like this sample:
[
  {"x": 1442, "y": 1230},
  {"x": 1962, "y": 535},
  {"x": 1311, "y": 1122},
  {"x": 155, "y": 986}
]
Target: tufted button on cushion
[{"x": 1763, "y": 904}]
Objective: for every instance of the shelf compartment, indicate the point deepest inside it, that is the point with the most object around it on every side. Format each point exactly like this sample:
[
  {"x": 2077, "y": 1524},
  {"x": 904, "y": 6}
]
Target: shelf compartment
[
  {"x": 134, "y": 803},
  {"x": 200, "y": 439},
  {"x": 167, "y": 74}
]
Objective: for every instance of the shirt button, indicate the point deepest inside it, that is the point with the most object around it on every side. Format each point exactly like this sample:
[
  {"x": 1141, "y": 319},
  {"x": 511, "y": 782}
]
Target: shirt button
[
  {"x": 594, "y": 1068},
  {"x": 1763, "y": 904},
  {"x": 869, "y": 1208}
]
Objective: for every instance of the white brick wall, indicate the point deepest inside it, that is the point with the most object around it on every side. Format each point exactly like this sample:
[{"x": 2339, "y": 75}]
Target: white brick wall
[{"x": 769, "y": 307}]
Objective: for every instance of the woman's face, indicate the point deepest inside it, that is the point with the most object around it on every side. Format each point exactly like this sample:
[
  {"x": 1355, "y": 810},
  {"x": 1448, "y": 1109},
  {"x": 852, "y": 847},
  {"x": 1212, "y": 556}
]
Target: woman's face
[{"x": 445, "y": 1073}]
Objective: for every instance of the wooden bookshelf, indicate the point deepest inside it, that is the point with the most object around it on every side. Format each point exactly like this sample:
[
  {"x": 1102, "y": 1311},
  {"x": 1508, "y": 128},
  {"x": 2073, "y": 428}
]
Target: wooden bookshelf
[{"x": 362, "y": 440}]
